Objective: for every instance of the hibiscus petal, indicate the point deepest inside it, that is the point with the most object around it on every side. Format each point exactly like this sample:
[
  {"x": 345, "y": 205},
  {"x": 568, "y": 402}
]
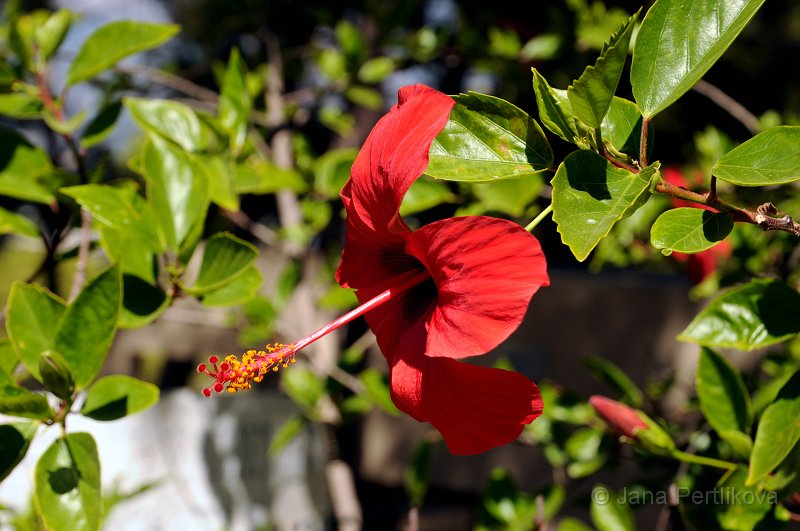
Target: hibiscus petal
[
  {"x": 485, "y": 270},
  {"x": 474, "y": 408},
  {"x": 394, "y": 155}
]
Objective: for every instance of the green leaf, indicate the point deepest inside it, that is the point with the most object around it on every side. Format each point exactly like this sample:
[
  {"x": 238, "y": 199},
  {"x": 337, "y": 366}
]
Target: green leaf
[
  {"x": 31, "y": 323},
  {"x": 542, "y": 47},
  {"x": 67, "y": 127},
  {"x": 219, "y": 175},
  {"x": 142, "y": 302},
  {"x": 24, "y": 169},
  {"x": 67, "y": 484},
  {"x": 416, "y": 476},
  {"x": 87, "y": 328},
  {"x": 689, "y": 230},
  {"x": 117, "y": 396},
  {"x": 677, "y": 44},
  {"x": 56, "y": 377},
  {"x": 234, "y": 101},
  {"x": 591, "y": 94},
  {"x": 303, "y": 386},
  {"x": 744, "y": 508},
  {"x": 778, "y": 431},
  {"x": 376, "y": 70},
  {"x": 509, "y": 196},
  {"x": 101, "y": 125},
  {"x": 608, "y": 373},
  {"x": 121, "y": 209},
  {"x": 758, "y": 314},
  {"x": 50, "y": 35},
  {"x": 486, "y": 139},
  {"x": 290, "y": 429},
  {"x": 622, "y": 128},
  {"x": 768, "y": 158},
  {"x": 13, "y": 223},
  {"x": 723, "y": 397},
  {"x": 376, "y": 389},
  {"x": 133, "y": 255},
  {"x": 332, "y": 170},
  {"x": 9, "y": 360},
  {"x": 425, "y": 193},
  {"x": 241, "y": 290},
  {"x": 113, "y": 42},
  {"x": 555, "y": 112},
  {"x": 590, "y": 195},
  {"x": 609, "y": 512},
  {"x": 20, "y": 105},
  {"x": 177, "y": 189},
  {"x": 572, "y": 524},
  {"x": 259, "y": 176},
  {"x": 14, "y": 442},
  {"x": 19, "y": 402},
  {"x": 224, "y": 259},
  {"x": 169, "y": 120}
]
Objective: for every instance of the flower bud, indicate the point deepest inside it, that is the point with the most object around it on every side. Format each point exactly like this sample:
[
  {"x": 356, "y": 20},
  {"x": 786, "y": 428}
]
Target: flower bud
[{"x": 625, "y": 420}]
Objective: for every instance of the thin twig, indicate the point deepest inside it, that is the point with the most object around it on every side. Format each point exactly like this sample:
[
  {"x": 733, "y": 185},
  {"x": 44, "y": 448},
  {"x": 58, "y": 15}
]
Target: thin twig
[
  {"x": 643, "y": 142},
  {"x": 172, "y": 81},
  {"x": 733, "y": 107}
]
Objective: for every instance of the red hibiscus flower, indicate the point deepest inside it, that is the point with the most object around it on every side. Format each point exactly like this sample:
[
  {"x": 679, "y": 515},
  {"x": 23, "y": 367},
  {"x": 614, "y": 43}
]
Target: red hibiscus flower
[{"x": 452, "y": 289}]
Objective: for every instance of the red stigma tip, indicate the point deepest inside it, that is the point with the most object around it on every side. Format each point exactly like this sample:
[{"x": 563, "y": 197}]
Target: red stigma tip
[
  {"x": 213, "y": 359},
  {"x": 218, "y": 387},
  {"x": 224, "y": 366},
  {"x": 206, "y": 392},
  {"x": 201, "y": 367}
]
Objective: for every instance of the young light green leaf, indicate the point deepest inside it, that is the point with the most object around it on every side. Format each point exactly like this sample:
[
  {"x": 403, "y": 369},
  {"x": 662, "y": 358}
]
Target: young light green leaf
[
  {"x": 768, "y": 158},
  {"x": 426, "y": 193},
  {"x": 224, "y": 259},
  {"x": 13, "y": 223},
  {"x": 590, "y": 195},
  {"x": 257, "y": 175},
  {"x": 689, "y": 230},
  {"x": 622, "y": 128},
  {"x": 31, "y": 322},
  {"x": 19, "y": 402},
  {"x": 116, "y": 396},
  {"x": 24, "y": 169},
  {"x": 723, "y": 397},
  {"x": 170, "y": 120},
  {"x": 9, "y": 360},
  {"x": 20, "y": 105},
  {"x": 376, "y": 69},
  {"x": 678, "y": 42},
  {"x": 87, "y": 328},
  {"x": 50, "y": 35},
  {"x": 758, "y": 314},
  {"x": 234, "y": 101},
  {"x": 113, "y": 42},
  {"x": 591, "y": 94},
  {"x": 67, "y": 484},
  {"x": 177, "y": 188},
  {"x": 121, "y": 209},
  {"x": 220, "y": 178},
  {"x": 486, "y": 139},
  {"x": 14, "y": 442},
  {"x": 101, "y": 125},
  {"x": 778, "y": 431},
  {"x": 142, "y": 302},
  {"x": 555, "y": 112},
  {"x": 290, "y": 429},
  {"x": 609, "y": 511},
  {"x": 331, "y": 171},
  {"x": 304, "y": 387},
  {"x": 240, "y": 290},
  {"x": 610, "y": 374}
]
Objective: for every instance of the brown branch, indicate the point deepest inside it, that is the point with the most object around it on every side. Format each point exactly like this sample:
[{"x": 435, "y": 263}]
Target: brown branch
[
  {"x": 733, "y": 107},
  {"x": 643, "y": 142}
]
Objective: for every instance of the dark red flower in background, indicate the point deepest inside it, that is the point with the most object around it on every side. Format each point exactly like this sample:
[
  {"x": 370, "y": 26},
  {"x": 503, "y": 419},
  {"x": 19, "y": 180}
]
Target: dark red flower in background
[
  {"x": 479, "y": 275},
  {"x": 453, "y": 289}
]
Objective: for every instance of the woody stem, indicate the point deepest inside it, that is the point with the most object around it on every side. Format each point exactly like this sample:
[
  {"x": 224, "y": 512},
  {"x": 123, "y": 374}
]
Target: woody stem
[{"x": 371, "y": 304}]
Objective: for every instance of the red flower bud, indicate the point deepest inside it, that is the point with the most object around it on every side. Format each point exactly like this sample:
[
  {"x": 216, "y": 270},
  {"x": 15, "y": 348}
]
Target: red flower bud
[{"x": 622, "y": 418}]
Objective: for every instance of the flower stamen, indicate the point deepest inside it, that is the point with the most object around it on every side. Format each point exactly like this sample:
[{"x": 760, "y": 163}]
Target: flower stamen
[{"x": 235, "y": 375}]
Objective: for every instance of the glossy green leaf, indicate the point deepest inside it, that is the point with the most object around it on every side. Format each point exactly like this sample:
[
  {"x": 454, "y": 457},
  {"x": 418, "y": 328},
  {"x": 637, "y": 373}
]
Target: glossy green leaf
[
  {"x": 555, "y": 112},
  {"x": 19, "y": 402},
  {"x": 290, "y": 429},
  {"x": 101, "y": 125},
  {"x": 13, "y": 223},
  {"x": 678, "y": 42},
  {"x": 768, "y": 158},
  {"x": 133, "y": 256},
  {"x": 590, "y": 195},
  {"x": 689, "y": 230},
  {"x": 778, "y": 431},
  {"x": 758, "y": 314},
  {"x": 610, "y": 374},
  {"x": 609, "y": 511},
  {"x": 224, "y": 259},
  {"x": 24, "y": 169},
  {"x": 56, "y": 376},
  {"x": 723, "y": 397},
  {"x": 14, "y": 442},
  {"x": 114, "y": 41},
  {"x": 591, "y": 94},
  {"x": 87, "y": 328},
  {"x": 220, "y": 178},
  {"x": 622, "y": 128},
  {"x": 486, "y": 139},
  {"x": 423, "y": 194},
  {"x": 240, "y": 290},
  {"x": 67, "y": 484},
  {"x": 177, "y": 188},
  {"x": 117, "y": 396},
  {"x": 121, "y": 209},
  {"x": 31, "y": 322},
  {"x": 170, "y": 120},
  {"x": 142, "y": 302},
  {"x": 20, "y": 105},
  {"x": 234, "y": 101}
]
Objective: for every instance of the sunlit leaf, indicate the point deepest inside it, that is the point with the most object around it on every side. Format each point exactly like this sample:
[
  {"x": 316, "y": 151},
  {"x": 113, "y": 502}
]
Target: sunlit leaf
[
  {"x": 768, "y": 158},
  {"x": 116, "y": 396},
  {"x": 689, "y": 230}
]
